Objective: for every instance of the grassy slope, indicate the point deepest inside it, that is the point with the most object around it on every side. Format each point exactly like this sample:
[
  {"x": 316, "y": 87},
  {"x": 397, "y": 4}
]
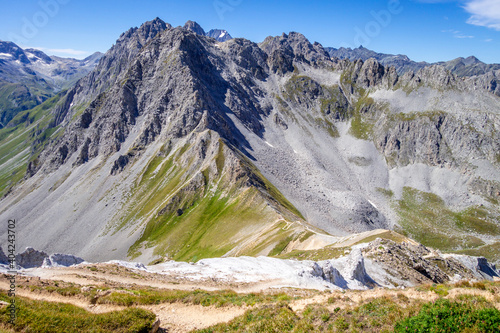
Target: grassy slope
[
  {"x": 16, "y": 97},
  {"x": 425, "y": 217},
  {"x": 17, "y": 141},
  {"x": 45, "y": 317},
  {"x": 193, "y": 209}
]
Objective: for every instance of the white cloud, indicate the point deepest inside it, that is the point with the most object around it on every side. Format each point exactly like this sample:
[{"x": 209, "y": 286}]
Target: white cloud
[
  {"x": 66, "y": 52},
  {"x": 457, "y": 34},
  {"x": 485, "y": 13},
  {"x": 488, "y": 40}
]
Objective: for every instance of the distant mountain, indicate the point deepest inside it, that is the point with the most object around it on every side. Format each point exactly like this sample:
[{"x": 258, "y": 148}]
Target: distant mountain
[
  {"x": 218, "y": 34},
  {"x": 470, "y": 66},
  {"x": 29, "y": 77}
]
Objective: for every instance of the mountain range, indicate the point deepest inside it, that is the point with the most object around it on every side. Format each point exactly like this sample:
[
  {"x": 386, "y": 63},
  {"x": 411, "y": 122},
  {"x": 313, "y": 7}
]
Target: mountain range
[
  {"x": 184, "y": 146},
  {"x": 29, "y": 77},
  {"x": 485, "y": 75},
  {"x": 469, "y": 66}
]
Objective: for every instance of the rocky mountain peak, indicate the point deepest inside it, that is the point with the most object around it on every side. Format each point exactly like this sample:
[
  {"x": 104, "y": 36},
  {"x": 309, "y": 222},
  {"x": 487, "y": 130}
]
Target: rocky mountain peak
[
  {"x": 284, "y": 49},
  {"x": 219, "y": 34},
  {"x": 194, "y": 27},
  {"x": 94, "y": 57},
  {"x": 471, "y": 60},
  {"x": 9, "y": 49},
  {"x": 38, "y": 54},
  {"x": 145, "y": 32}
]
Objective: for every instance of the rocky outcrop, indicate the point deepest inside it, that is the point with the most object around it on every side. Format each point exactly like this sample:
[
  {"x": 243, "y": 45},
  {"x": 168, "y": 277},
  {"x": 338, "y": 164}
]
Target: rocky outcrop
[
  {"x": 217, "y": 34},
  {"x": 31, "y": 258},
  {"x": 479, "y": 265},
  {"x": 58, "y": 259},
  {"x": 4, "y": 260},
  {"x": 285, "y": 49},
  {"x": 418, "y": 264},
  {"x": 194, "y": 27},
  {"x": 489, "y": 81}
]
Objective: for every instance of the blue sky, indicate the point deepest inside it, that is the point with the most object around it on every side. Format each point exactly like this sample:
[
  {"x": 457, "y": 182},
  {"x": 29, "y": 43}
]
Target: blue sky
[{"x": 425, "y": 30}]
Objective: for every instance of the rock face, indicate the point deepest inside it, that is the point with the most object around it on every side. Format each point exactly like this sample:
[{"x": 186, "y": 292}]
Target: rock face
[
  {"x": 217, "y": 34},
  {"x": 57, "y": 259},
  {"x": 31, "y": 258},
  {"x": 4, "y": 260},
  {"x": 189, "y": 148},
  {"x": 480, "y": 266}
]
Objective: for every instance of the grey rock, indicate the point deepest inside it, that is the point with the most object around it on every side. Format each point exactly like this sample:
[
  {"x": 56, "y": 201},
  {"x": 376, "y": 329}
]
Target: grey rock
[
  {"x": 57, "y": 260},
  {"x": 194, "y": 27},
  {"x": 478, "y": 265},
  {"x": 4, "y": 260},
  {"x": 354, "y": 268},
  {"x": 31, "y": 258}
]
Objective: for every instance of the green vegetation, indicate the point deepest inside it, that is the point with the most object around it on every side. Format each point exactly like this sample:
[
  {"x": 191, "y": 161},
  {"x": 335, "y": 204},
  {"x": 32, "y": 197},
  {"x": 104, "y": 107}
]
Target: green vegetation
[
  {"x": 279, "y": 318},
  {"x": 18, "y": 97},
  {"x": 360, "y": 129},
  {"x": 489, "y": 251},
  {"x": 280, "y": 247},
  {"x": 300, "y": 89},
  {"x": 316, "y": 255},
  {"x": 334, "y": 101},
  {"x": 270, "y": 188},
  {"x": 268, "y": 312},
  {"x": 21, "y": 143},
  {"x": 219, "y": 160},
  {"x": 45, "y": 317},
  {"x": 376, "y": 315},
  {"x": 387, "y": 192},
  {"x": 149, "y": 296},
  {"x": 397, "y": 313},
  {"x": 425, "y": 217},
  {"x": 361, "y": 122},
  {"x": 197, "y": 297},
  {"x": 194, "y": 214},
  {"x": 412, "y": 116},
  {"x": 446, "y": 316}
]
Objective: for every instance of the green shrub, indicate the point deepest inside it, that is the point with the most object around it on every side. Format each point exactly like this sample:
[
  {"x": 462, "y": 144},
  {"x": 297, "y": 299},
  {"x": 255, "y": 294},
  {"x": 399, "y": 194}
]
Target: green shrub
[
  {"x": 446, "y": 316},
  {"x": 45, "y": 317}
]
